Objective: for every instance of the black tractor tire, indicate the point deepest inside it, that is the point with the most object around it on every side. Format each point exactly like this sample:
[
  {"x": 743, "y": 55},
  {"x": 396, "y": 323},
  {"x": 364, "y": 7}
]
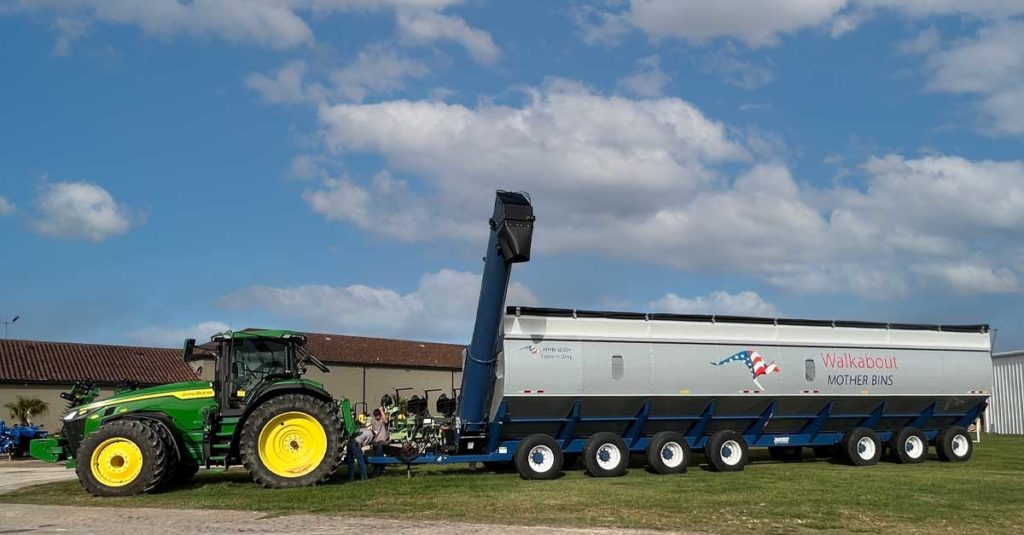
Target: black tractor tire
[
  {"x": 323, "y": 412},
  {"x": 786, "y": 454},
  {"x": 153, "y": 453},
  {"x": 668, "y": 453},
  {"x": 954, "y": 445},
  {"x": 606, "y": 455},
  {"x": 538, "y": 457},
  {"x": 908, "y": 446},
  {"x": 727, "y": 451},
  {"x": 861, "y": 447},
  {"x": 161, "y": 431}
]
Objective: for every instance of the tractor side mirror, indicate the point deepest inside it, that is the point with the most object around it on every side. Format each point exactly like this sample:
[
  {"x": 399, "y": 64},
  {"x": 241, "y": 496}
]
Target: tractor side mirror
[{"x": 186, "y": 352}]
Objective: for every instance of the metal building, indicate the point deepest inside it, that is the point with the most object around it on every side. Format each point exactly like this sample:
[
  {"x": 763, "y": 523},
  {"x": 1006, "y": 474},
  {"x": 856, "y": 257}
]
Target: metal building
[{"x": 1006, "y": 408}]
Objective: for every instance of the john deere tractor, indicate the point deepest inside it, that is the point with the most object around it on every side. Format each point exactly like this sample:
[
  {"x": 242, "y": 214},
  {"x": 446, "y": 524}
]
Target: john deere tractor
[{"x": 258, "y": 412}]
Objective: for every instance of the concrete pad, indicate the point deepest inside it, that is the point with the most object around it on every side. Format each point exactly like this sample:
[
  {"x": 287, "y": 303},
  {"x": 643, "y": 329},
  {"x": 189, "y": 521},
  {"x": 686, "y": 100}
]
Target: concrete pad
[{"x": 19, "y": 474}]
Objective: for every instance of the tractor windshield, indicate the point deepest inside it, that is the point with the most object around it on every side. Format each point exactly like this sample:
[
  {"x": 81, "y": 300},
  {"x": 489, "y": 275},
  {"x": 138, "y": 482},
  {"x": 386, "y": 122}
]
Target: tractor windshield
[{"x": 253, "y": 360}]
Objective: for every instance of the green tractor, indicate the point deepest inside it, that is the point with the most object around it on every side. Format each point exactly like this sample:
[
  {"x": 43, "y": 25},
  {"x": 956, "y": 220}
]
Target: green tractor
[{"x": 258, "y": 412}]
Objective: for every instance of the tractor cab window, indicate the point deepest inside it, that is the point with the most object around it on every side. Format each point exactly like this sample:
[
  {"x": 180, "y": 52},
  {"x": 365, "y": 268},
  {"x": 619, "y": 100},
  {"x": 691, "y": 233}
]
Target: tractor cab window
[{"x": 252, "y": 361}]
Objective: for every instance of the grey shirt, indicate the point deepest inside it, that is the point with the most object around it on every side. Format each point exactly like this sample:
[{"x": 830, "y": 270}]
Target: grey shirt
[
  {"x": 380, "y": 431},
  {"x": 363, "y": 437}
]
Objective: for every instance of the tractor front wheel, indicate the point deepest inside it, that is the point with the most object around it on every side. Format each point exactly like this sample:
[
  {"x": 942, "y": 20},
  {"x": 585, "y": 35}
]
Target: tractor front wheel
[
  {"x": 121, "y": 458},
  {"x": 292, "y": 441}
]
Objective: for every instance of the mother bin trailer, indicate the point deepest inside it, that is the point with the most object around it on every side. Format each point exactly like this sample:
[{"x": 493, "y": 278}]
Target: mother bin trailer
[{"x": 540, "y": 385}]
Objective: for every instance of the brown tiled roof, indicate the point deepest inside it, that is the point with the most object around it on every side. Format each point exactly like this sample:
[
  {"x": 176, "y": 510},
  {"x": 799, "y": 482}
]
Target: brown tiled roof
[
  {"x": 358, "y": 350},
  {"x": 362, "y": 351},
  {"x": 27, "y": 361}
]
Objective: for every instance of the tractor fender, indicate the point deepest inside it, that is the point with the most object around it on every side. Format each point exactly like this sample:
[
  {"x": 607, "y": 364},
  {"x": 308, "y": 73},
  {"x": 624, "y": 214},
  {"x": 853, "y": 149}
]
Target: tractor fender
[
  {"x": 274, "y": 390},
  {"x": 161, "y": 420}
]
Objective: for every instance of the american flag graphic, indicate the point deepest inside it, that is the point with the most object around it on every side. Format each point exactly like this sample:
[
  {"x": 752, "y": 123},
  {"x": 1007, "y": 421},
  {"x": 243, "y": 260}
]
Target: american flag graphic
[
  {"x": 755, "y": 363},
  {"x": 534, "y": 350}
]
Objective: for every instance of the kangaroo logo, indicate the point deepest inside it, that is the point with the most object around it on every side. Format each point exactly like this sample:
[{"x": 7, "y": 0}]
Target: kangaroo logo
[{"x": 755, "y": 363}]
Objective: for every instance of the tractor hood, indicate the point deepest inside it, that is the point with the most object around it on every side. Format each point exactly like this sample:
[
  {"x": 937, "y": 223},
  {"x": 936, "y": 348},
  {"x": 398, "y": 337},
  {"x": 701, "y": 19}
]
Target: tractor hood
[{"x": 184, "y": 390}]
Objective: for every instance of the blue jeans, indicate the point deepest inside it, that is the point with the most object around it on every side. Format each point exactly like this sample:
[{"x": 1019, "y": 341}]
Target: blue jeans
[
  {"x": 355, "y": 455},
  {"x": 378, "y": 469}
]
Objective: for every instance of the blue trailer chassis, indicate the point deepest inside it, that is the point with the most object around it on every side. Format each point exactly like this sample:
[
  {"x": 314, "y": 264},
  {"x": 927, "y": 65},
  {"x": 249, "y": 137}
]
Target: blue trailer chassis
[{"x": 752, "y": 426}]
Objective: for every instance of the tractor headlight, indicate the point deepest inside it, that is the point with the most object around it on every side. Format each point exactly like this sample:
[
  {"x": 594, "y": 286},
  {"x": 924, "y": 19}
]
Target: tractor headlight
[{"x": 70, "y": 416}]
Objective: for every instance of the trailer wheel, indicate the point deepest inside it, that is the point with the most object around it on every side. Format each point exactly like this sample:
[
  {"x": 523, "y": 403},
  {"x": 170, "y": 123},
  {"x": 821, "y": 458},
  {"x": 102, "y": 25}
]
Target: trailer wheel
[
  {"x": 121, "y": 458},
  {"x": 538, "y": 457},
  {"x": 953, "y": 444},
  {"x": 909, "y": 445},
  {"x": 726, "y": 451},
  {"x": 862, "y": 446},
  {"x": 606, "y": 455},
  {"x": 668, "y": 453},
  {"x": 786, "y": 454}
]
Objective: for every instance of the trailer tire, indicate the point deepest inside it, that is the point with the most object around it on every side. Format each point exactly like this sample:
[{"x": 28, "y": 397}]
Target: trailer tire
[
  {"x": 121, "y": 458},
  {"x": 606, "y": 455},
  {"x": 538, "y": 457},
  {"x": 786, "y": 454},
  {"x": 726, "y": 451},
  {"x": 862, "y": 447},
  {"x": 668, "y": 453},
  {"x": 953, "y": 444},
  {"x": 909, "y": 445}
]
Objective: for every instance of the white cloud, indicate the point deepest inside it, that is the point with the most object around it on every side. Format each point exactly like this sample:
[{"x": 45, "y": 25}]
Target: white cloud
[
  {"x": 760, "y": 23},
  {"x": 648, "y": 80},
  {"x": 926, "y": 40},
  {"x": 746, "y": 303},
  {"x": 286, "y": 86},
  {"x": 991, "y": 66},
  {"x": 755, "y": 22},
  {"x": 644, "y": 179},
  {"x": 79, "y": 210},
  {"x": 971, "y": 277},
  {"x": 268, "y": 23},
  {"x": 734, "y": 70},
  {"x": 425, "y": 26},
  {"x": 68, "y": 31},
  {"x": 376, "y": 69},
  {"x": 175, "y": 337},
  {"x": 275, "y": 24},
  {"x": 442, "y": 307},
  {"x": 6, "y": 207}
]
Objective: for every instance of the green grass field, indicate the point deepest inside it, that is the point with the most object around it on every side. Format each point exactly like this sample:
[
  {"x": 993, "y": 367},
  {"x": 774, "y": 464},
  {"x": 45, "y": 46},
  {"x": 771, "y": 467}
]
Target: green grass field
[{"x": 985, "y": 495}]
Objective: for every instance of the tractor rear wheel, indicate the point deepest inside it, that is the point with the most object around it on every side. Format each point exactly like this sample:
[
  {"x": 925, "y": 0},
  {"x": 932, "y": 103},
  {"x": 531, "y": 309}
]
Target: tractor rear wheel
[
  {"x": 121, "y": 458},
  {"x": 292, "y": 441}
]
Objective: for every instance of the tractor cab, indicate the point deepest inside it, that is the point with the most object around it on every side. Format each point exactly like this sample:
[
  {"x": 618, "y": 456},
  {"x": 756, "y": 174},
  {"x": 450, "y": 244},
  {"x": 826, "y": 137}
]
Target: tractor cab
[{"x": 247, "y": 362}]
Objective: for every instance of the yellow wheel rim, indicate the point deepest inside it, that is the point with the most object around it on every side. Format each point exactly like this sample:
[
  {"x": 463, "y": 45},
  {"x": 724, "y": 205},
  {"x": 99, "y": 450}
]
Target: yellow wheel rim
[
  {"x": 292, "y": 444},
  {"x": 116, "y": 462}
]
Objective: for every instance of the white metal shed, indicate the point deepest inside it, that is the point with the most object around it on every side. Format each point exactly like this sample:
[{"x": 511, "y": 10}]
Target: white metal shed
[{"x": 1006, "y": 407}]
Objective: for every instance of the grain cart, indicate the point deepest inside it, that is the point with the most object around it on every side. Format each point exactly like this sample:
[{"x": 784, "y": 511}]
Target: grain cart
[
  {"x": 258, "y": 412},
  {"x": 539, "y": 384}
]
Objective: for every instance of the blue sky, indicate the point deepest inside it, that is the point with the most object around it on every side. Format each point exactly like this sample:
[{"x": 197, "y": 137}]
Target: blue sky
[{"x": 171, "y": 168}]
